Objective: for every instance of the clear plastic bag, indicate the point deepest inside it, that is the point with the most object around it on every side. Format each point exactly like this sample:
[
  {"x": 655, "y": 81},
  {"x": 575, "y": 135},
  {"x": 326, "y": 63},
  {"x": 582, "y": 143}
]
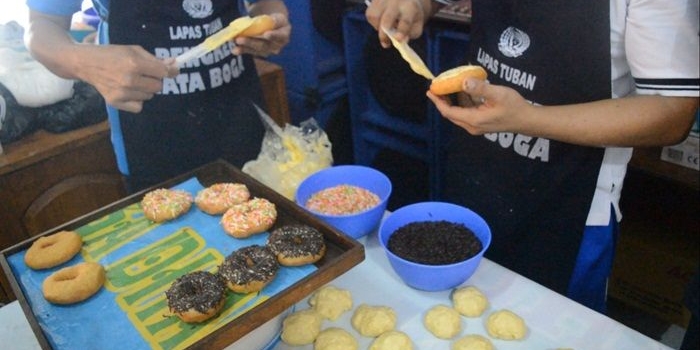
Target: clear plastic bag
[{"x": 289, "y": 155}]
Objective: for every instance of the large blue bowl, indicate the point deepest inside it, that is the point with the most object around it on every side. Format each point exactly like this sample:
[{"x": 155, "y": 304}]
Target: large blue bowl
[
  {"x": 354, "y": 225},
  {"x": 434, "y": 277}
]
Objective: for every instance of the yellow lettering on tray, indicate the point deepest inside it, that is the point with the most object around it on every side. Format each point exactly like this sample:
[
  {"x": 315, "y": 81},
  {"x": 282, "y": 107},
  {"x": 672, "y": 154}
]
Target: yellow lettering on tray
[
  {"x": 112, "y": 231},
  {"x": 140, "y": 279}
]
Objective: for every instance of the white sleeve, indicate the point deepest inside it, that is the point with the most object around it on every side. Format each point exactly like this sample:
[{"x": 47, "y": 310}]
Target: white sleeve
[{"x": 662, "y": 46}]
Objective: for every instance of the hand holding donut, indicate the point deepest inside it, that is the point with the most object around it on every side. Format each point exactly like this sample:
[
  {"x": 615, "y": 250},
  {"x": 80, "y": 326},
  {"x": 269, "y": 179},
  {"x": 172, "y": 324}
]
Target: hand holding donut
[
  {"x": 501, "y": 109},
  {"x": 269, "y": 39}
]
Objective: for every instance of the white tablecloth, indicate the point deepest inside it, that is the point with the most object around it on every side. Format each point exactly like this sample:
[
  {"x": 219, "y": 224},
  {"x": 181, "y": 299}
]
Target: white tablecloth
[{"x": 553, "y": 320}]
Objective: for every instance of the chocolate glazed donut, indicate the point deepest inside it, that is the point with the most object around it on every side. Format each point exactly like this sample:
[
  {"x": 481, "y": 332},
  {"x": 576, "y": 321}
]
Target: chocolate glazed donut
[
  {"x": 249, "y": 269},
  {"x": 196, "y": 296},
  {"x": 297, "y": 245}
]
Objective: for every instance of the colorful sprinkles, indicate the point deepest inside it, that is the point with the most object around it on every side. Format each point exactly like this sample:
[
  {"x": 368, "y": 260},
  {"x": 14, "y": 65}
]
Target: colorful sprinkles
[{"x": 342, "y": 200}]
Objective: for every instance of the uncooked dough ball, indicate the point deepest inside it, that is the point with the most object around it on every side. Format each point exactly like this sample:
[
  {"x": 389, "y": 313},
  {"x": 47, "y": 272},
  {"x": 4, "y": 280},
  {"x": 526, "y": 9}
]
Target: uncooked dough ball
[
  {"x": 392, "y": 340},
  {"x": 506, "y": 325},
  {"x": 472, "y": 342},
  {"x": 301, "y": 327},
  {"x": 372, "y": 321},
  {"x": 335, "y": 338},
  {"x": 443, "y": 321},
  {"x": 330, "y": 302},
  {"x": 469, "y": 301}
]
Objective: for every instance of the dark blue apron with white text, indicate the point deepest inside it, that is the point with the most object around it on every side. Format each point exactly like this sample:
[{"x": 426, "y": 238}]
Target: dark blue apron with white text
[
  {"x": 534, "y": 193},
  {"x": 204, "y": 113}
]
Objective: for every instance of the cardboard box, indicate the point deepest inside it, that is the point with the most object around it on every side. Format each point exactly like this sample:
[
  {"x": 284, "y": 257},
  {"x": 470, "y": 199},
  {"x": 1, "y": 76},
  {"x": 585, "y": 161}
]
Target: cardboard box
[
  {"x": 686, "y": 153},
  {"x": 657, "y": 252},
  {"x": 652, "y": 278}
]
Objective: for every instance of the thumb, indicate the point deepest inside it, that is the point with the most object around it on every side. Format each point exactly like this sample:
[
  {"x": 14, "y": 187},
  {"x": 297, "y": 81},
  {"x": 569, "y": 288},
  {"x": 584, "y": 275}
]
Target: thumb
[{"x": 476, "y": 88}]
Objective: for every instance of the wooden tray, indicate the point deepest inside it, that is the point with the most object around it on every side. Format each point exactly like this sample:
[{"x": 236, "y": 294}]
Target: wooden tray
[{"x": 342, "y": 254}]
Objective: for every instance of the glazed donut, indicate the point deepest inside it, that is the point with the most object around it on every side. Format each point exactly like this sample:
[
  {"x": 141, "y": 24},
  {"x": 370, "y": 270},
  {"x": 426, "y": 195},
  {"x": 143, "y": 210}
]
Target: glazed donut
[
  {"x": 165, "y": 204},
  {"x": 217, "y": 198},
  {"x": 248, "y": 218},
  {"x": 53, "y": 250},
  {"x": 249, "y": 269},
  {"x": 450, "y": 81},
  {"x": 73, "y": 283},
  {"x": 259, "y": 25},
  {"x": 196, "y": 296},
  {"x": 297, "y": 245}
]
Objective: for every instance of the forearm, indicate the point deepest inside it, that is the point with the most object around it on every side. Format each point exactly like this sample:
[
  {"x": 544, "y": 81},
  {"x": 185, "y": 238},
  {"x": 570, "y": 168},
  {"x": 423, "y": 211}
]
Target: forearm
[
  {"x": 639, "y": 121},
  {"x": 50, "y": 43}
]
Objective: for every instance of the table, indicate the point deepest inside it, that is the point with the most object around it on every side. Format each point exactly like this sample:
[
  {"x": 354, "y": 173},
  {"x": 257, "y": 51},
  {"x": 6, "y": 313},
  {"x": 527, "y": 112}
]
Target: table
[{"x": 554, "y": 321}]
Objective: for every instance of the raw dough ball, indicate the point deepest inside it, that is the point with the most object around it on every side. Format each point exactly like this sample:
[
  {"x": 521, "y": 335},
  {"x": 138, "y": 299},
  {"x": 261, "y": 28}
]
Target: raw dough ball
[
  {"x": 330, "y": 302},
  {"x": 335, "y": 338},
  {"x": 443, "y": 321},
  {"x": 372, "y": 321},
  {"x": 472, "y": 342},
  {"x": 391, "y": 340},
  {"x": 469, "y": 301},
  {"x": 506, "y": 325},
  {"x": 301, "y": 327}
]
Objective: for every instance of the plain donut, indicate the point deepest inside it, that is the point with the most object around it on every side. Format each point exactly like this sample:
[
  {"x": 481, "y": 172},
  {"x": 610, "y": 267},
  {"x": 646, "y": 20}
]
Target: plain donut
[
  {"x": 53, "y": 250},
  {"x": 74, "y": 283}
]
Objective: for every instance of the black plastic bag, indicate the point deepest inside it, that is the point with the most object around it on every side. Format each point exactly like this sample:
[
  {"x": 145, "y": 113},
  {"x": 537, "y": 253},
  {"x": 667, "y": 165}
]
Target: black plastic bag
[
  {"x": 85, "y": 107},
  {"x": 18, "y": 120}
]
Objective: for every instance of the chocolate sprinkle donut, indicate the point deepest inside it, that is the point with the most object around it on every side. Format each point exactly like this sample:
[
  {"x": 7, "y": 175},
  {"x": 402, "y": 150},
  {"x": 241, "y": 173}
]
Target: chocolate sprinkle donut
[
  {"x": 249, "y": 268},
  {"x": 297, "y": 244},
  {"x": 198, "y": 290},
  {"x": 434, "y": 242}
]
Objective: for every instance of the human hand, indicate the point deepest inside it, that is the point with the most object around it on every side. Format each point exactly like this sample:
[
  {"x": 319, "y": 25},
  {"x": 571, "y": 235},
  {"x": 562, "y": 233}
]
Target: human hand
[
  {"x": 125, "y": 76},
  {"x": 487, "y": 108},
  {"x": 269, "y": 43},
  {"x": 407, "y": 17}
]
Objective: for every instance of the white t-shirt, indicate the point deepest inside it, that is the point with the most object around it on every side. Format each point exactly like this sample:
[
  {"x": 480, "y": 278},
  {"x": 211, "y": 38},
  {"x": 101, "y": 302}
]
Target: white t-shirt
[{"x": 650, "y": 55}]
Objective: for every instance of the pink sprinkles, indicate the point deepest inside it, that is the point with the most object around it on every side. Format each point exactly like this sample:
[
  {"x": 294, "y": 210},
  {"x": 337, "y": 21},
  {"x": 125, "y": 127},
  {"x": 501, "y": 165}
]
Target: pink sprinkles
[{"x": 342, "y": 200}]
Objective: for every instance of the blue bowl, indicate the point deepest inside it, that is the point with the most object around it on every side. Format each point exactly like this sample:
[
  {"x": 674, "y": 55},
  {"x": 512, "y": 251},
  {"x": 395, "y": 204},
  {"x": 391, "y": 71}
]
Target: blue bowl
[
  {"x": 354, "y": 225},
  {"x": 434, "y": 277}
]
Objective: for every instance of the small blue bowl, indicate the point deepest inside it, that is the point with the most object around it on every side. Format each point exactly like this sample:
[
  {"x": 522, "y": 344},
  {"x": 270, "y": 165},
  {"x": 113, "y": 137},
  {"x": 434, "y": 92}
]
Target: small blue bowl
[
  {"x": 434, "y": 277},
  {"x": 354, "y": 225}
]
